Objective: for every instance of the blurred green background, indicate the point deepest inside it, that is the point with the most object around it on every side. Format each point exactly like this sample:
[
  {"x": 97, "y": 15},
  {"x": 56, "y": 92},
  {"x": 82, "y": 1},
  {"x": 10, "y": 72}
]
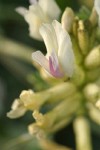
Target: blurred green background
[{"x": 13, "y": 79}]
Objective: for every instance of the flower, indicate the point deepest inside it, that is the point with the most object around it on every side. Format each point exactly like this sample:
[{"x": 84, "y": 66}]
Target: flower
[
  {"x": 39, "y": 12},
  {"x": 17, "y": 110},
  {"x": 97, "y": 7},
  {"x": 59, "y": 61}
]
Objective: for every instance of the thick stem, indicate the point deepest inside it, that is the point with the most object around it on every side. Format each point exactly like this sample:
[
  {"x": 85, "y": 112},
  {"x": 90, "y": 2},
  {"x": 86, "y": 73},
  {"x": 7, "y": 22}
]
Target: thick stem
[{"x": 82, "y": 133}]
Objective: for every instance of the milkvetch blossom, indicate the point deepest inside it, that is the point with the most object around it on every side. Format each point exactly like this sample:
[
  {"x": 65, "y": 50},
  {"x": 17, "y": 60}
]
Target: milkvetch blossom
[
  {"x": 39, "y": 12},
  {"x": 59, "y": 60},
  {"x": 97, "y": 7}
]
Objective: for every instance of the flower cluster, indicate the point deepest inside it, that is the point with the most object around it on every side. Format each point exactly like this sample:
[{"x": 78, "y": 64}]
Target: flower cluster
[{"x": 73, "y": 58}]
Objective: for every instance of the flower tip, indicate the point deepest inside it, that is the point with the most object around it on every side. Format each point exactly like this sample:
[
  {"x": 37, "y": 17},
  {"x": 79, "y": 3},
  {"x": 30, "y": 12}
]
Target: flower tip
[
  {"x": 13, "y": 114},
  {"x": 32, "y": 2},
  {"x": 67, "y": 19},
  {"x": 21, "y": 10}
]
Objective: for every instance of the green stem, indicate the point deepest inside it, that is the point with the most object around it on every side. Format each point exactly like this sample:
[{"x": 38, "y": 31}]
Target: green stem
[
  {"x": 15, "y": 49},
  {"x": 82, "y": 133}
]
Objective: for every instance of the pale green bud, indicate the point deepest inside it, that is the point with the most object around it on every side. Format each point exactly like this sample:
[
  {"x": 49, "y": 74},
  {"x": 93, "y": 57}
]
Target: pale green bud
[
  {"x": 93, "y": 74},
  {"x": 67, "y": 19},
  {"x": 79, "y": 76},
  {"x": 91, "y": 92},
  {"x": 93, "y": 17},
  {"x": 33, "y": 101},
  {"x": 92, "y": 60},
  {"x": 83, "y": 38},
  {"x": 75, "y": 27},
  {"x": 77, "y": 52},
  {"x": 98, "y": 103},
  {"x": 48, "y": 120},
  {"x": 94, "y": 113}
]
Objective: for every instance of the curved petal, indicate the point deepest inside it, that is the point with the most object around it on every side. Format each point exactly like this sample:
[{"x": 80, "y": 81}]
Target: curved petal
[
  {"x": 19, "y": 112},
  {"x": 34, "y": 25},
  {"x": 50, "y": 8},
  {"x": 21, "y": 10},
  {"x": 65, "y": 51},
  {"x": 54, "y": 65},
  {"x": 41, "y": 60},
  {"x": 32, "y": 2},
  {"x": 97, "y": 7},
  {"x": 37, "y": 10},
  {"x": 17, "y": 109},
  {"x": 48, "y": 33}
]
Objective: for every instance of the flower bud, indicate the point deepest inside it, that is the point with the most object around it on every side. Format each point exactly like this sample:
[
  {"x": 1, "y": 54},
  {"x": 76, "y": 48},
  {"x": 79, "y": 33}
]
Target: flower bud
[
  {"x": 79, "y": 76},
  {"x": 92, "y": 60},
  {"x": 93, "y": 74},
  {"x": 94, "y": 113},
  {"x": 98, "y": 103},
  {"x": 67, "y": 19},
  {"x": 83, "y": 38},
  {"x": 75, "y": 27},
  {"x": 93, "y": 17},
  {"x": 91, "y": 92},
  {"x": 77, "y": 52}
]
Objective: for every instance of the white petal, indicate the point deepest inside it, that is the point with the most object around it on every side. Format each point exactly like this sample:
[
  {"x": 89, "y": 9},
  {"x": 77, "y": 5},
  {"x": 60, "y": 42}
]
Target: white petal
[
  {"x": 97, "y": 7},
  {"x": 48, "y": 33},
  {"x": 34, "y": 22},
  {"x": 41, "y": 59},
  {"x": 18, "y": 109},
  {"x": 21, "y": 10},
  {"x": 32, "y": 2},
  {"x": 37, "y": 10},
  {"x": 65, "y": 51},
  {"x": 16, "y": 113},
  {"x": 50, "y": 8}
]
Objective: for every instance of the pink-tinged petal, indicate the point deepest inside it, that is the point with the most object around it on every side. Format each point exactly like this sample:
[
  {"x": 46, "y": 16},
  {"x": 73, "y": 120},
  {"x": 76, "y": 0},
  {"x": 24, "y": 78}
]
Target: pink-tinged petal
[
  {"x": 54, "y": 66},
  {"x": 21, "y": 10},
  {"x": 54, "y": 60},
  {"x": 39, "y": 58},
  {"x": 32, "y": 2},
  {"x": 65, "y": 51},
  {"x": 48, "y": 33}
]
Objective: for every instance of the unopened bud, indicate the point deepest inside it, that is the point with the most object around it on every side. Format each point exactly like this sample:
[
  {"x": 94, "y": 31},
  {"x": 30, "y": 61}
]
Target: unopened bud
[
  {"x": 93, "y": 17},
  {"x": 67, "y": 19},
  {"x": 83, "y": 38},
  {"x": 75, "y": 26},
  {"x": 79, "y": 76},
  {"x": 93, "y": 74},
  {"x": 93, "y": 58},
  {"x": 77, "y": 52},
  {"x": 91, "y": 92},
  {"x": 98, "y": 104}
]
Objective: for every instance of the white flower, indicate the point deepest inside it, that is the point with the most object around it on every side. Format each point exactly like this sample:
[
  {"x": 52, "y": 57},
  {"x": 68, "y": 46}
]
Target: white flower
[
  {"x": 17, "y": 109},
  {"x": 42, "y": 11},
  {"x": 97, "y": 7},
  {"x": 59, "y": 61}
]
